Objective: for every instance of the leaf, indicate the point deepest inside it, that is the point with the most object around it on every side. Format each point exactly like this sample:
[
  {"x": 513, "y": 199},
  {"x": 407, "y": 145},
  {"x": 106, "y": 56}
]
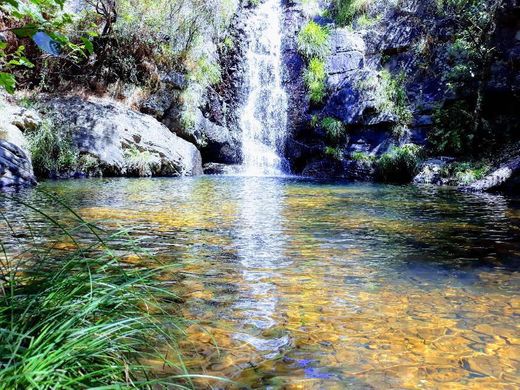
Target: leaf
[
  {"x": 26, "y": 31},
  {"x": 7, "y": 81},
  {"x": 88, "y": 45},
  {"x": 21, "y": 61}
]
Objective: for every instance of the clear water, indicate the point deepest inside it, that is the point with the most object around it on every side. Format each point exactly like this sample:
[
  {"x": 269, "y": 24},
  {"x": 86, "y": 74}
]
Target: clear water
[
  {"x": 297, "y": 284},
  {"x": 264, "y": 116}
]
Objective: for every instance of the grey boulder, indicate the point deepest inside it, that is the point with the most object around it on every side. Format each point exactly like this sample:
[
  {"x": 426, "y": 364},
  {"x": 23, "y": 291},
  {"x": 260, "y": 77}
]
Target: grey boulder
[
  {"x": 123, "y": 140},
  {"x": 507, "y": 176},
  {"x": 15, "y": 161}
]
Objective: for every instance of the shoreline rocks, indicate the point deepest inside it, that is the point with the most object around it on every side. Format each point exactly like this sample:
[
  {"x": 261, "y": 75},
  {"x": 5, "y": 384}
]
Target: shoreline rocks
[{"x": 15, "y": 160}]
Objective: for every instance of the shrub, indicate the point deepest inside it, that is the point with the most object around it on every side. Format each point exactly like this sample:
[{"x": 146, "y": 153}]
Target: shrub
[
  {"x": 452, "y": 133},
  {"x": 314, "y": 77},
  {"x": 52, "y": 150},
  {"x": 392, "y": 96},
  {"x": 399, "y": 164},
  {"x": 362, "y": 157},
  {"x": 465, "y": 173},
  {"x": 334, "y": 128},
  {"x": 313, "y": 40},
  {"x": 89, "y": 165}
]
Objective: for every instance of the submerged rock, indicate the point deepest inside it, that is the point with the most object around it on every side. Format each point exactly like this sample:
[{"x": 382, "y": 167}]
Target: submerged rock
[{"x": 123, "y": 141}]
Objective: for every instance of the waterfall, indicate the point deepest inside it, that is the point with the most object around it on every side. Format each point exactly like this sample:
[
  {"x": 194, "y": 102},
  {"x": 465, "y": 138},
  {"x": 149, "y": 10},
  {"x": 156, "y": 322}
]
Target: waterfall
[{"x": 263, "y": 118}]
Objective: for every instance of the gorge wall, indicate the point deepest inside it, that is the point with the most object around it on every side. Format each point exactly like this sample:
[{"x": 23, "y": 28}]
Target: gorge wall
[
  {"x": 393, "y": 106},
  {"x": 387, "y": 84}
]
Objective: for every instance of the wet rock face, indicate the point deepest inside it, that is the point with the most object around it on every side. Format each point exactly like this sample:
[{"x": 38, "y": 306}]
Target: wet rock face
[{"x": 107, "y": 131}]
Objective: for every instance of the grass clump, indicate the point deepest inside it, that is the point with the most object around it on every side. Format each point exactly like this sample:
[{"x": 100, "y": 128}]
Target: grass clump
[
  {"x": 400, "y": 164},
  {"x": 335, "y": 153},
  {"x": 314, "y": 78},
  {"x": 313, "y": 41},
  {"x": 52, "y": 150},
  {"x": 344, "y": 11},
  {"x": 141, "y": 163},
  {"x": 362, "y": 157},
  {"x": 80, "y": 317},
  {"x": 334, "y": 128}
]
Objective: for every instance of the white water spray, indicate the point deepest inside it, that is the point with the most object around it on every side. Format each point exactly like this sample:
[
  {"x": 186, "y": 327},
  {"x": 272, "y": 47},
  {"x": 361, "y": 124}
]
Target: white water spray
[{"x": 264, "y": 116}]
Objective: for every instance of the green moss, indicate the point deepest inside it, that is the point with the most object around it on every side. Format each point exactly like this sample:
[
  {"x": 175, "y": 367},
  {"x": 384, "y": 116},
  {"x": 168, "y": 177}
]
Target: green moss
[{"x": 362, "y": 157}]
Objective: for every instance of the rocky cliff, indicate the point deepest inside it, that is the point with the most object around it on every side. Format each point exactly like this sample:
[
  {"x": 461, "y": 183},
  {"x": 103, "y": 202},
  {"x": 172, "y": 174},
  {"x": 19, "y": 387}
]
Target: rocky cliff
[{"x": 388, "y": 82}]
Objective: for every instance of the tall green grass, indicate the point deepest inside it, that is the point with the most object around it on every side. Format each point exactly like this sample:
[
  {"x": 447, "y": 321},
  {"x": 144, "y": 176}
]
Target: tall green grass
[{"x": 76, "y": 315}]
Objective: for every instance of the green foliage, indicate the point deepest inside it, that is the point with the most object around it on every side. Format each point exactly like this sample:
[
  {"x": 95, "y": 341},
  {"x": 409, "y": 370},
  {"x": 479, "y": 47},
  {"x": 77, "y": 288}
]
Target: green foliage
[
  {"x": 89, "y": 165},
  {"x": 29, "y": 18},
  {"x": 467, "y": 173},
  {"x": 81, "y": 318},
  {"x": 366, "y": 21},
  {"x": 334, "y": 152},
  {"x": 140, "y": 163},
  {"x": 314, "y": 77},
  {"x": 399, "y": 164},
  {"x": 334, "y": 128},
  {"x": 344, "y": 11},
  {"x": 315, "y": 120},
  {"x": 392, "y": 96},
  {"x": 362, "y": 157},
  {"x": 452, "y": 133},
  {"x": 8, "y": 61},
  {"x": 52, "y": 151},
  {"x": 313, "y": 41},
  {"x": 205, "y": 72},
  {"x": 464, "y": 173}
]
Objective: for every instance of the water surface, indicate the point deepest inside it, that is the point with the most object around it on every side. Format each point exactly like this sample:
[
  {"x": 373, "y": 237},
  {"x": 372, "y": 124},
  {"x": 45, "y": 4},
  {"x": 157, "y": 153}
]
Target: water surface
[{"x": 297, "y": 284}]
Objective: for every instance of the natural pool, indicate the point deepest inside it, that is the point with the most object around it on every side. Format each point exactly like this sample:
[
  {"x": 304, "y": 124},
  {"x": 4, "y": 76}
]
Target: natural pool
[{"x": 298, "y": 284}]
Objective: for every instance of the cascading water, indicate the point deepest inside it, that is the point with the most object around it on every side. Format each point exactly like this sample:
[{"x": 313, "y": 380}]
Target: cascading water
[{"x": 264, "y": 117}]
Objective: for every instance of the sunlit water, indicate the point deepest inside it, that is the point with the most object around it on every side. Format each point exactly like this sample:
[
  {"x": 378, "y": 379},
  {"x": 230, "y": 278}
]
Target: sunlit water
[
  {"x": 263, "y": 119},
  {"x": 296, "y": 284}
]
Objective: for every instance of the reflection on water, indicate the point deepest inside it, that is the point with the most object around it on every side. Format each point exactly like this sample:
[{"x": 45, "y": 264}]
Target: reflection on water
[{"x": 302, "y": 285}]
